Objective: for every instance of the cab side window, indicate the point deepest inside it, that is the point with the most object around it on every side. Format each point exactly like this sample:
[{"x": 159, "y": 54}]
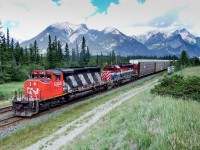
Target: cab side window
[
  {"x": 48, "y": 76},
  {"x": 57, "y": 77}
]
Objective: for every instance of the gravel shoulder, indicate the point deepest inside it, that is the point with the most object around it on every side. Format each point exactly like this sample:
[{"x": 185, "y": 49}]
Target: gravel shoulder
[{"x": 68, "y": 132}]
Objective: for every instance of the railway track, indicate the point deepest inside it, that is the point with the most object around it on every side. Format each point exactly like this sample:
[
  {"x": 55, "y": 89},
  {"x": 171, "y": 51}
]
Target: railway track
[
  {"x": 10, "y": 120},
  {"x": 5, "y": 109}
]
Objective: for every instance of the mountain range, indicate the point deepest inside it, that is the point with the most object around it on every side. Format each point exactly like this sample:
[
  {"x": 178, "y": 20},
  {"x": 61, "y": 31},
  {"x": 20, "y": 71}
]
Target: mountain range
[{"x": 151, "y": 43}]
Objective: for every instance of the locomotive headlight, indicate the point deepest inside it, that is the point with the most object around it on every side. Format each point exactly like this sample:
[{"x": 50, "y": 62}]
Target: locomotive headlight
[{"x": 30, "y": 83}]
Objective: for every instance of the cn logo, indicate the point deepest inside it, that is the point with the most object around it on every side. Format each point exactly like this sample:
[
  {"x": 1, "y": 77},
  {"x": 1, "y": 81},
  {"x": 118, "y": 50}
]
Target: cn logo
[{"x": 32, "y": 91}]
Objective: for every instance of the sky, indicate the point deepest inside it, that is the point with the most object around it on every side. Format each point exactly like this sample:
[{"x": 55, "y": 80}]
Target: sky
[{"x": 27, "y": 18}]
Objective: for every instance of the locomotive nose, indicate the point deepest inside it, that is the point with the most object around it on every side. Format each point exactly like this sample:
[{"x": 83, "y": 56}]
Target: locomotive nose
[{"x": 31, "y": 89}]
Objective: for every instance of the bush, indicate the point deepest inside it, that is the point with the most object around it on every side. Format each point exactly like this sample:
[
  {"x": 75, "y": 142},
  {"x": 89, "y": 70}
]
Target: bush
[{"x": 178, "y": 86}]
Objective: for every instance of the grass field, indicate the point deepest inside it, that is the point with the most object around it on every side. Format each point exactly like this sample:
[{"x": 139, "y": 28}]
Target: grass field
[
  {"x": 8, "y": 88},
  {"x": 8, "y": 91},
  {"x": 145, "y": 122},
  {"x": 193, "y": 71}
]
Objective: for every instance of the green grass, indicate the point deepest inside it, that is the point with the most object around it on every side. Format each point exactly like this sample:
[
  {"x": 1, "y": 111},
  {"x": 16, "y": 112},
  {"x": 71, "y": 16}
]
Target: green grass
[
  {"x": 192, "y": 71},
  {"x": 8, "y": 88},
  {"x": 32, "y": 134},
  {"x": 145, "y": 122}
]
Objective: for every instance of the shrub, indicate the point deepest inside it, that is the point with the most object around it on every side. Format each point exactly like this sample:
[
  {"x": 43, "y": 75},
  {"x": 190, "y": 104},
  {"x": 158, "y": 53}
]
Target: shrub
[{"x": 178, "y": 86}]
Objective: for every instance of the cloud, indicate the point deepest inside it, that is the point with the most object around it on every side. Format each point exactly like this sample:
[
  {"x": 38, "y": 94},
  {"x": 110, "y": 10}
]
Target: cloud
[
  {"x": 167, "y": 19},
  {"x": 141, "y": 1},
  {"x": 11, "y": 24},
  {"x": 103, "y": 5},
  {"x": 58, "y": 2},
  {"x": 22, "y": 5}
]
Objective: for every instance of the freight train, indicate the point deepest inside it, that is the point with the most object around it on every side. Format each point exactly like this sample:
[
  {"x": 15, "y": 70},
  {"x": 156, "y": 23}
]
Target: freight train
[{"x": 48, "y": 88}]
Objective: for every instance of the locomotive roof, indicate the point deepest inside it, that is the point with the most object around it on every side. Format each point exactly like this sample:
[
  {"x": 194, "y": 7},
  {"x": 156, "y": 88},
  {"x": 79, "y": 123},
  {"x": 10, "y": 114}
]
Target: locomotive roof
[
  {"x": 79, "y": 69},
  {"x": 136, "y": 61},
  {"x": 55, "y": 71}
]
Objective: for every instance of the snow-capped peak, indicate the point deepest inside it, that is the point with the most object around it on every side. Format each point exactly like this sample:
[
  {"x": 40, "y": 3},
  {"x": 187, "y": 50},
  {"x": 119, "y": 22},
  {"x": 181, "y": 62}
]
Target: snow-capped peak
[
  {"x": 64, "y": 25},
  {"x": 82, "y": 27},
  {"x": 186, "y": 35},
  {"x": 111, "y": 30}
]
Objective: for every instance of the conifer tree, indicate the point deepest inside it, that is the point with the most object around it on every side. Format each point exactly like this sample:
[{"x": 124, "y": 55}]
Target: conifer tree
[
  {"x": 67, "y": 56},
  {"x": 31, "y": 50},
  {"x": 73, "y": 55},
  {"x": 55, "y": 56},
  {"x": 83, "y": 53},
  {"x": 77, "y": 53},
  {"x": 1, "y": 52},
  {"x": 113, "y": 57},
  {"x": 8, "y": 39},
  {"x": 50, "y": 54},
  {"x": 101, "y": 60},
  {"x": 59, "y": 55},
  {"x": 12, "y": 52},
  {"x": 184, "y": 58},
  {"x": 26, "y": 56},
  {"x": 88, "y": 55},
  {"x": 36, "y": 54},
  {"x": 97, "y": 60}
]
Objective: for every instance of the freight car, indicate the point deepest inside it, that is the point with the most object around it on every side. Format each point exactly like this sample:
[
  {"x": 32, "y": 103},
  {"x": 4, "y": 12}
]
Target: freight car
[
  {"x": 144, "y": 67},
  {"x": 49, "y": 88}
]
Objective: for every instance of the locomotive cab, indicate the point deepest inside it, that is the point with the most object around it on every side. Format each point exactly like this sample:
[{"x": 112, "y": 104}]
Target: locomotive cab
[
  {"x": 111, "y": 72},
  {"x": 43, "y": 84}
]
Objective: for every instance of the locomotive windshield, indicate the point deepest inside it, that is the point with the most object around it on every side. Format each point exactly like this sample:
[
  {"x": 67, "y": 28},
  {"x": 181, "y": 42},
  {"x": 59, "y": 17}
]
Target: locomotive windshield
[
  {"x": 40, "y": 76},
  {"x": 108, "y": 69}
]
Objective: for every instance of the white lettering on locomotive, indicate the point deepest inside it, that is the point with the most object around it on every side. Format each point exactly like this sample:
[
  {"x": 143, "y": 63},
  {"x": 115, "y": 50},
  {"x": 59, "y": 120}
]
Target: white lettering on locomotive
[{"x": 57, "y": 84}]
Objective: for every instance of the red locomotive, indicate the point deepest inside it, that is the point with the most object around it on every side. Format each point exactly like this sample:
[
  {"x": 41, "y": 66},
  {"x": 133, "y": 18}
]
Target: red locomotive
[{"x": 48, "y": 88}]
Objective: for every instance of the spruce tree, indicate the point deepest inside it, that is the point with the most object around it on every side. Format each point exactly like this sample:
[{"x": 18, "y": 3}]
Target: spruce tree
[
  {"x": 113, "y": 57},
  {"x": 83, "y": 53},
  {"x": 31, "y": 50},
  {"x": 36, "y": 54},
  {"x": 67, "y": 56},
  {"x": 59, "y": 55},
  {"x": 8, "y": 39},
  {"x": 184, "y": 58},
  {"x": 50, "y": 54},
  {"x": 12, "y": 52},
  {"x": 88, "y": 56},
  {"x": 101, "y": 60},
  {"x": 97, "y": 60},
  {"x": 77, "y": 53},
  {"x": 73, "y": 55},
  {"x": 1, "y": 54}
]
